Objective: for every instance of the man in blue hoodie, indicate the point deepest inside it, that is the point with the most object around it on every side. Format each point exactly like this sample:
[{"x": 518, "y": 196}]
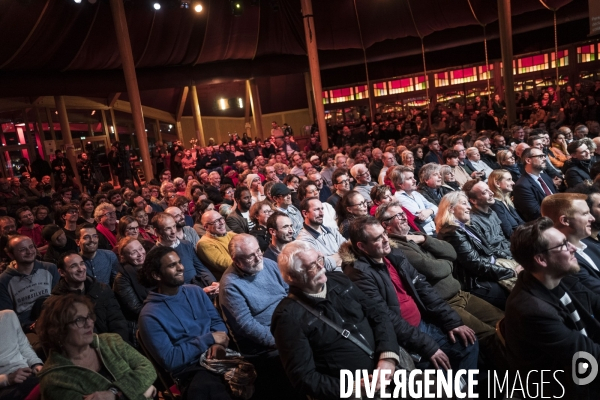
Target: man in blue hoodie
[{"x": 178, "y": 324}]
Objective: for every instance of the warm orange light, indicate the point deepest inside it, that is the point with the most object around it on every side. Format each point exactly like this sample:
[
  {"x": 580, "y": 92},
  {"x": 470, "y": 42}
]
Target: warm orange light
[{"x": 198, "y": 8}]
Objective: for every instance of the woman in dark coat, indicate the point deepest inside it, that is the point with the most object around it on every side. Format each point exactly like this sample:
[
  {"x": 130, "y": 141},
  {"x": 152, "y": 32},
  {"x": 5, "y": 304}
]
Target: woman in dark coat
[{"x": 501, "y": 184}]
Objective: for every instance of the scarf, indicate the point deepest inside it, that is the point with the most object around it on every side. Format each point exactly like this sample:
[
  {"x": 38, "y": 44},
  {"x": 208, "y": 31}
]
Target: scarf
[{"x": 112, "y": 239}]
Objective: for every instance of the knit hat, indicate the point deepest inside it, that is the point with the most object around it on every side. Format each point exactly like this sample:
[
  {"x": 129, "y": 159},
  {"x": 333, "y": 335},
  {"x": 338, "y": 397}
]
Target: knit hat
[
  {"x": 313, "y": 158},
  {"x": 249, "y": 180},
  {"x": 49, "y": 231}
]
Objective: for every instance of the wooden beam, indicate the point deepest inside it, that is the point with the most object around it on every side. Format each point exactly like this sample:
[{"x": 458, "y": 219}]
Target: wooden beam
[
  {"x": 149, "y": 112},
  {"x": 181, "y": 105},
  {"x": 252, "y": 88},
  {"x": 65, "y": 129},
  {"x": 197, "y": 115},
  {"x": 51, "y": 126},
  {"x": 113, "y": 99}
]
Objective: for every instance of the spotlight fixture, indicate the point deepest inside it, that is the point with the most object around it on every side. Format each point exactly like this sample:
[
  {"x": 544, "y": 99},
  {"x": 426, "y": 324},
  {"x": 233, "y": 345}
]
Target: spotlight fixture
[
  {"x": 157, "y": 6},
  {"x": 198, "y": 8},
  {"x": 77, "y": 1},
  {"x": 237, "y": 7},
  {"x": 184, "y": 4}
]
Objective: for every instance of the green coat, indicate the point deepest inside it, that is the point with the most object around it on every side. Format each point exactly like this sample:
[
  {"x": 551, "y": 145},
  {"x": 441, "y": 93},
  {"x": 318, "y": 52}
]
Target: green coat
[{"x": 60, "y": 379}]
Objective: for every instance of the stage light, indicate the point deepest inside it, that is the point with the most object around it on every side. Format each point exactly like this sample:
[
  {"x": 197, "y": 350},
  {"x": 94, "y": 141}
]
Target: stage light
[
  {"x": 237, "y": 7},
  {"x": 157, "y": 6},
  {"x": 184, "y": 4},
  {"x": 198, "y": 8},
  {"x": 77, "y": 1}
]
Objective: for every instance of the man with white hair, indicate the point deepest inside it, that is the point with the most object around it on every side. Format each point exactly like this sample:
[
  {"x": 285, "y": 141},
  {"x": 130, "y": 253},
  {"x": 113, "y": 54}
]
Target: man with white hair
[
  {"x": 362, "y": 176},
  {"x": 474, "y": 157},
  {"x": 251, "y": 289},
  {"x": 388, "y": 162},
  {"x": 313, "y": 361},
  {"x": 106, "y": 217},
  {"x": 184, "y": 232},
  {"x": 213, "y": 247},
  {"x": 413, "y": 201},
  {"x": 213, "y": 188},
  {"x": 322, "y": 238}
]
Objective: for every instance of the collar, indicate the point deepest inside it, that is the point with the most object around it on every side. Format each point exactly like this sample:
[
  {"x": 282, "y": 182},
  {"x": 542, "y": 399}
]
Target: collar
[
  {"x": 320, "y": 295},
  {"x": 173, "y": 246},
  {"x": 316, "y": 233}
]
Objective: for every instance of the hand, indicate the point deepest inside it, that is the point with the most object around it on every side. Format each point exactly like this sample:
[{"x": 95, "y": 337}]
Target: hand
[
  {"x": 221, "y": 338},
  {"x": 557, "y": 181},
  {"x": 440, "y": 360},
  {"x": 518, "y": 270},
  {"x": 216, "y": 352},
  {"x": 37, "y": 368},
  {"x": 150, "y": 392},
  {"x": 466, "y": 334},
  {"x": 212, "y": 289},
  {"x": 105, "y": 395},
  {"x": 418, "y": 239},
  {"x": 18, "y": 376}
]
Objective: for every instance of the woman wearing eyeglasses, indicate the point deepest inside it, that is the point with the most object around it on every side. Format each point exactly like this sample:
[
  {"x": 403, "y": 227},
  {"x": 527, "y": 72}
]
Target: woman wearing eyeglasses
[
  {"x": 478, "y": 267},
  {"x": 259, "y": 214},
  {"x": 506, "y": 159},
  {"x": 130, "y": 227},
  {"x": 82, "y": 364},
  {"x": 351, "y": 206}
]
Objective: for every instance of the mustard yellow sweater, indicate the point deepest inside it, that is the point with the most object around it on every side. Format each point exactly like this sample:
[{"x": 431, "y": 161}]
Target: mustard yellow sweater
[{"x": 213, "y": 251}]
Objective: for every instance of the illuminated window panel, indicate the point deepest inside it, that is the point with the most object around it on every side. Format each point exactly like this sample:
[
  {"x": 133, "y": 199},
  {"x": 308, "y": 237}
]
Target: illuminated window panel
[
  {"x": 532, "y": 64},
  {"x": 484, "y": 73},
  {"x": 421, "y": 82},
  {"x": 401, "y": 86},
  {"x": 326, "y": 97},
  {"x": 380, "y": 89},
  {"x": 341, "y": 95},
  {"x": 417, "y": 102},
  {"x": 563, "y": 58},
  {"x": 463, "y": 75},
  {"x": 448, "y": 97},
  {"x": 586, "y": 53},
  {"x": 361, "y": 92},
  {"x": 441, "y": 79}
]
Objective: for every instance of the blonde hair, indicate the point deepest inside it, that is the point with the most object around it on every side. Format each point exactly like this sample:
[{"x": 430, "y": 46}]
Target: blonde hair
[
  {"x": 497, "y": 176},
  {"x": 445, "y": 216},
  {"x": 502, "y": 155}
]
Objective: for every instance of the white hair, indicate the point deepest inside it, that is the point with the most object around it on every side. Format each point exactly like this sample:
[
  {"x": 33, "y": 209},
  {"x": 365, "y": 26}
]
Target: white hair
[
  {"x": 354, "y": 170},
  {"x": 236, "y": 242},
  {"x": 290, "y": 265}
]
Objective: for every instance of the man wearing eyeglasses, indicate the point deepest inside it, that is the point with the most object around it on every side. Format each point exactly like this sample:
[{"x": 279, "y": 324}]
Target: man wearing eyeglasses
[
  {"x": 571, "y": 216},
  {"x": 362, "y": 176},
  {"x": 413, "y": 201},
  {"x": 434, "y": 258},
  {"x": 550, "y": 314},
  {"x": 251, "y": 288},
  {"x": 324, "y": 191},
  {"x": 213, "y": 247},
  {"x": 184, "y": 232},
  {"x": 341, "y": 184},
  {"x": 533, "y": 186},
  {"x": 109, "y": 317}
]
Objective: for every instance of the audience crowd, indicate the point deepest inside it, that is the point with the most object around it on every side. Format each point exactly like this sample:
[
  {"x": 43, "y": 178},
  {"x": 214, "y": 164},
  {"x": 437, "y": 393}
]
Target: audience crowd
[{"x": 264, "y": 268}]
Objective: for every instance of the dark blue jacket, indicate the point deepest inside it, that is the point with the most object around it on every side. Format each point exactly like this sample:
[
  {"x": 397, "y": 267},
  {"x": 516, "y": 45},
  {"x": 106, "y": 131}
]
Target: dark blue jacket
[
  {"x": 528, "y": 196},
  {"x": 509, "y": 218}
]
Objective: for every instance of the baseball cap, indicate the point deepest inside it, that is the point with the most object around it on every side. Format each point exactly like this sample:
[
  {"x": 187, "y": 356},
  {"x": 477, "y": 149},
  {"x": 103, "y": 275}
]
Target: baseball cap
[{"x": 279, "y": 189}]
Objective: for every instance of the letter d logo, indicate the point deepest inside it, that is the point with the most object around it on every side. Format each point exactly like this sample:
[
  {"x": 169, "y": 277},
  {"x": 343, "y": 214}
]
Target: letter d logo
[{"x": 581, "y": 368}]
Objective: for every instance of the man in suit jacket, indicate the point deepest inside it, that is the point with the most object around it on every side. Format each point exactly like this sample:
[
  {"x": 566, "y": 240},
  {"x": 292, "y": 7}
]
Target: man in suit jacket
[
  {"x": 549, "y": 313},
  {"x": 533, "y": 186},
  {"x": 571, "y": 216}
]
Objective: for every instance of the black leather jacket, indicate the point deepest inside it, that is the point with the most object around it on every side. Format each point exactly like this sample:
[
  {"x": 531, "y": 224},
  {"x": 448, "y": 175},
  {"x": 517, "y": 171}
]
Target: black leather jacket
[{"x": 473, "y": 264}]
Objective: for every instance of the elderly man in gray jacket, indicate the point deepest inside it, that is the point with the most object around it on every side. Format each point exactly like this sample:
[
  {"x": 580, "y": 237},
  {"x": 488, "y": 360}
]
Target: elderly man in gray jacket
[{"x": 325, "y": 240}]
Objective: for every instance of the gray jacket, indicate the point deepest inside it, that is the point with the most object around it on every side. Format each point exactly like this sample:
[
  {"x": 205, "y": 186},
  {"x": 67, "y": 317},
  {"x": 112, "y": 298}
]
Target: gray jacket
[
  {"x": 327, "y": 241},
  {"x": 489, "y": 227}
]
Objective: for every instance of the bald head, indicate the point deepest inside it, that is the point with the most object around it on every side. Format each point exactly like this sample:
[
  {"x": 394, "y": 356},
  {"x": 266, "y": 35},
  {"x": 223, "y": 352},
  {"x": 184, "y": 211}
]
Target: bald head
[{"x": 214, "y": 223}]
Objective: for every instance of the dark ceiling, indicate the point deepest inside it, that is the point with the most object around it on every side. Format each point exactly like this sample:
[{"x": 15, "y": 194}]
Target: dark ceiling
[{"x": 52, "y": 47}]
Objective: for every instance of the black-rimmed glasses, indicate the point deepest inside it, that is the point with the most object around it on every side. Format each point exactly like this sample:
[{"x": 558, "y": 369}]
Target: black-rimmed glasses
[
  {"x": 564, "y": 246},
  {"x": 81, "y": 322}
]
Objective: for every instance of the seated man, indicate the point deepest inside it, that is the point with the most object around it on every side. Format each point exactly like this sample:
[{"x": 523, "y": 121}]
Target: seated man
[
  {"x": 19, "y": 365},
  {"x": 312, "y": 352},
  {"x": 549, "y": 313},
  {"x": 30, "y": 229},
  {"x": 283, "y": 203},
  {"x": 362, "y": 177},
  {"x": 483, "y": 219},
  {"x": 571, "y": 216},
  {"x": 239, "y": 219},
  {"x": 178, "y": 324},
  {"x": 424, "y": 323},
  {"x": 533, "y": 185},
  {"x": 184, "y": 232},
  {"x": 194, "y": 270},
  {"x": 58, "y": 243},
  {"x": 27, "y": 282},
  {"x": 324, "y": 239},
  {"x": 431, "y": 183},
  {"x": 102, "y": 265},
  {"x": 281, "y": 228},
  {"x": 475, "y": 159},
  {"x": 251, "y": 288},
  {"x": 109, "y": 318},
  {"x": 434, "y": 258},
  {"x": 413, "y": 201},
  {"x": 213, "y": 247},
  {"x": 105, "y": 215}
]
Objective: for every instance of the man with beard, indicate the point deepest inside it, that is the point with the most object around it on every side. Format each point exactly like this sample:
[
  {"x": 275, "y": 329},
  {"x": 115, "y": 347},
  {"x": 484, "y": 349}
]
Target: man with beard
[
  {"x": 102, "y": 264},
  {"x": 213, "y": 247},
  {"x": 571, "y": 216},
  {"x": 533, "y": 186},
  {"x": 311, "y": 351},
  {"x": 179, "y": 323},
  {"x": 271, "y": 175},
  {"x": 115, "y": 198},
  {"x": 281, "y": 228},
  {"x": 283, "y": 202},
  {"x": 166, "y": 229},
  {"x": 239, "y": 220},
  {"x": 184, "y": 232},
  {"x": 74, "y": 279},
  {"x": 58, "y": 243},
  {"x": 579, "y": 166},
  {"x": 26, "y": 281},
  {"x": 251, "y": 288},
  {"x": 30, "y": 229},
  {"x": 549, "y": 313}
]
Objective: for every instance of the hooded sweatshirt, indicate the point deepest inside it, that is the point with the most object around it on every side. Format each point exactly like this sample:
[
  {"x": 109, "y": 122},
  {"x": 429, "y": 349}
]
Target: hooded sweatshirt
[{"x": 177, "y": 329}]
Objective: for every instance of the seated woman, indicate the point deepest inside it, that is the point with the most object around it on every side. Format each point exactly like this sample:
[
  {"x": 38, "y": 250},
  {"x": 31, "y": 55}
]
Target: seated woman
[
  {"x": 351, "y": 206},
  {"x": 449, "y": 183},
  {"x": 86, "y": 211},
  {"x": 81, "y": 363},
  {"x": 477, "y": 267},
  {"x": 129, "y": 227},
  {"x": 147, "y": 231},
  {"x": 558, "y": 153},
  {"x": 200, "y": 209},
  {"x": 501, "y": 184},
  {"x": 382, "y": 195},
  {"x": 128, "y": 290},
  {"x": 259, "y": 214},
  {"x": 507, "y": 161}
]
